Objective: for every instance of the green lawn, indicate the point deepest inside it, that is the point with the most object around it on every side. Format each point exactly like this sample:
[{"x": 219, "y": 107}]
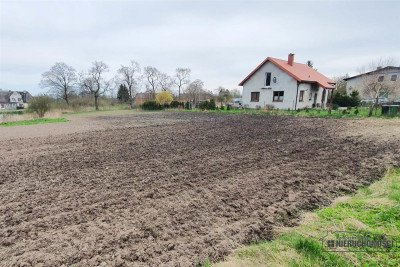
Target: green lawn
[
  {"x": 30, "y": 122},
  {"x": 373, "y": 210}
]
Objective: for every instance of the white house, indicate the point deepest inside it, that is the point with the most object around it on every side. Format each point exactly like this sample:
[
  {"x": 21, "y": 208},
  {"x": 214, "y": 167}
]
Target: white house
[
  {"x": 285, "y": 85},
  {"x": 14, "y": 100},
  {"x": 387, "y": 74}
]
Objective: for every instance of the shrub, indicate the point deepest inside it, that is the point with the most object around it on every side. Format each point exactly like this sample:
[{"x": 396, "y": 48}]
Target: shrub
[
  {"x": 335, "y": 106},
  {"x": 222, "y": 107},
  {"x": 356, "y": 111},
  {"x": 269, "y": 107},
  {"x": 344, "y": 100},
  {"x": 175, "y": 104},
  {"x": 187, "y": 105},
  {"x": 228, "y": 107},
  {"x": 40, "y": 105},
  {"x": 164, "y": 98},
  {"x": 151, "y": 105},
  {"x": 211, "y": 105},
  {"x": 207, "y": 105}
]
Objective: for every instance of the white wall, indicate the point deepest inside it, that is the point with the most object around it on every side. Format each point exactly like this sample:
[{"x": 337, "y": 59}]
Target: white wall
[
  {"x": 284, "y": 82},
  {"x": 356, "y": 83}
]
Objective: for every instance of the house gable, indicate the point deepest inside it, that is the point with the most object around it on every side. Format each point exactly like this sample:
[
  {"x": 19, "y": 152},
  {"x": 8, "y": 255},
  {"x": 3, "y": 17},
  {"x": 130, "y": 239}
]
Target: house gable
[{"x": 300, "y": 72}]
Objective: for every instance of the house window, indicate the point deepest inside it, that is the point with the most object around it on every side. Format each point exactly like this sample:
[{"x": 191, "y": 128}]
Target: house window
[
  {"x": 380, "y": 79},
  {"x": 301, "y": 97},
  {"x": 255, "y": 96},
  {"x": 267, "y": 78},
  {"x": 278, "y": 96},
  {"x": 393, "y": 78}
]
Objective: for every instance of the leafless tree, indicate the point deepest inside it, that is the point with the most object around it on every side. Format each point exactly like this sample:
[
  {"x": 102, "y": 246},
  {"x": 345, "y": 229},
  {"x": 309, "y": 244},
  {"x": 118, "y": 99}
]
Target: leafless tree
[
  {"x": 374, "y": 83},
  {"x": 341, "y": 83},
  {"x": 60, "y": 80},
  {"x": 195, "y": 90},
  {"x": 164, "y": 81},
  {"x": 94, "y": 81},
  {"x": 128, "y": 75},
  {"x": 151, "y": 74},
  {"x": 182, "y": 76}
]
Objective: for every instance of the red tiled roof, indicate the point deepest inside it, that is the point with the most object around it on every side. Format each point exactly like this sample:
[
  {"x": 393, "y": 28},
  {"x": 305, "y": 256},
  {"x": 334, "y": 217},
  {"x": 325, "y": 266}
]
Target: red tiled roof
[{"x": 300, "y": 72}]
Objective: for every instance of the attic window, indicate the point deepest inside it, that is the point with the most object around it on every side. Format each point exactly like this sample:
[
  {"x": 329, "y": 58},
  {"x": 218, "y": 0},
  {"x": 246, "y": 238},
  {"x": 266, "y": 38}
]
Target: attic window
[
  {"x": 380, "y": 79},
  {"x": 393, "y": 78},
  {"x": 267, "y": 78}
]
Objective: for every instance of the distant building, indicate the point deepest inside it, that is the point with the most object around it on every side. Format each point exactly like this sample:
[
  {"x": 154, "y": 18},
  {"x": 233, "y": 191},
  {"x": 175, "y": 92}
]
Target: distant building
[
  {"x": 387, "y": 74},
  {"x": 14, "y": 99},
  {"x": 285, "y": 84},
  {"x": 143, "y": 97}
]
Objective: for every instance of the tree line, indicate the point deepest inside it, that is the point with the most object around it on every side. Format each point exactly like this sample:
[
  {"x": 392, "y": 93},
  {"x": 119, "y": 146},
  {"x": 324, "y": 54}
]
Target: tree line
[{"x": 63, "y": 81}]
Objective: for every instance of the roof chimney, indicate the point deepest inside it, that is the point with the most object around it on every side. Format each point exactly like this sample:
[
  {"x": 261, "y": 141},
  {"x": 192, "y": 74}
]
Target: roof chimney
[
  {"x": 379, "y": 67},
  {"x": 290, "y": 59}
]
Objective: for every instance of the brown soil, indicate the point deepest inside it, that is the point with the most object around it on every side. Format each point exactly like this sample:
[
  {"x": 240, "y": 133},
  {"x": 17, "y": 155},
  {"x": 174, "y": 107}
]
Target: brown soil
[{"x": 184, "y": 188}]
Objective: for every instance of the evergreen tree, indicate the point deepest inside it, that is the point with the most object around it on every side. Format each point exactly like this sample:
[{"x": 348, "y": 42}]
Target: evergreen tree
[{"x": 123, "y": 94}]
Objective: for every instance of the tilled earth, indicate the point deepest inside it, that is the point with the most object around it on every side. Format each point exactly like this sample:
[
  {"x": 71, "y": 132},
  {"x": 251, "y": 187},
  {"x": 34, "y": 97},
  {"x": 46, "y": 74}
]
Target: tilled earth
[{"x": 175, "y": 193}]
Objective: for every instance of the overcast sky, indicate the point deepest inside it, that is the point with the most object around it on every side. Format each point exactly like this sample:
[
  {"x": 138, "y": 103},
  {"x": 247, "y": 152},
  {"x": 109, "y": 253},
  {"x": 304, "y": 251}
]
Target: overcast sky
[{"x": 221, "y": 41}]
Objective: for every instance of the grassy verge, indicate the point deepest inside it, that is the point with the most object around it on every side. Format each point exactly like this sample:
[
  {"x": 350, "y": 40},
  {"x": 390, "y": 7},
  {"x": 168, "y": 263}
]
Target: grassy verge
[
  {"x": 109, "y": 108},
  {"x": 374, "y": 209},
  {"x": 361, "y": 112},
  {"x": 30, "y": 122}
]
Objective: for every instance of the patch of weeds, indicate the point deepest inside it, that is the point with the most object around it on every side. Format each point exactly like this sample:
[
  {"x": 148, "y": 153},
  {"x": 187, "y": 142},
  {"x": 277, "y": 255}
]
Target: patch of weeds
[{"x": 313, "y": 250}]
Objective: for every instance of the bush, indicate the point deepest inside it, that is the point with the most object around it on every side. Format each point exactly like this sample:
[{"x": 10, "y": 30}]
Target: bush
[
  {"x": 40, "y": 105},
  {"x": 222, "y": 107},
  {"x": 207, "y": 105},
  {"x": 176, "y": 104},
  {"x": 269, "y": 107},
  {"x": 356, "y": 111},
  {"x": 228, "y": 107},
  {"x": 335, "y": 106},
  {"x": 164, "y": 98},
  {"x": 187, "y": 105},
  {"x": 151, "y": 105},
  {"x": 344, "y": 100},
  {"x": 211, "y": 105}
]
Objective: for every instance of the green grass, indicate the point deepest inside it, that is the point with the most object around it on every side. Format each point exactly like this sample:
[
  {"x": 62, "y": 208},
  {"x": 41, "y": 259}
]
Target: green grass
[
  {"x": 18, "y": 112},
  {"x": 372, "y": 210},
  {"x": 362, "y": 112},
  {"x": 30, "y": 122}
]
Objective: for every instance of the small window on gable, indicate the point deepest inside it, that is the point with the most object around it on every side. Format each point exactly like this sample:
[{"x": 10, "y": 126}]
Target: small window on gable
[
  {"x": 380, "y": 78},
  {"x": 301, "y": 97},
  {"x": 267, "y": 78},
  {"x": 393, "y": 78}
]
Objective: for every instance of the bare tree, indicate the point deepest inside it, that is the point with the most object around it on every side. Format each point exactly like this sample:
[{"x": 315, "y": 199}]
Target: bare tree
[
  {"x": 194, "y": 90},
  {"x": 152, "y": 74},
  {"x": 60, "y": 80},
  {"x": 375, "y": 83},
  {"x": 341, "y": 83},
  {"x": 182, "y": 77},
  {"x": 165, "y": 82},
  {"x": 128, "y": 77},
  {"x": 94, "y": 81}
]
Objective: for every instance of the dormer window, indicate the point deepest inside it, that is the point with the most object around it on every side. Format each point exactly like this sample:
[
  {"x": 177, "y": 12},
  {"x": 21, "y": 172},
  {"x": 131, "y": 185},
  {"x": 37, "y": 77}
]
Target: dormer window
[{"x": 268, "y": 79}]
